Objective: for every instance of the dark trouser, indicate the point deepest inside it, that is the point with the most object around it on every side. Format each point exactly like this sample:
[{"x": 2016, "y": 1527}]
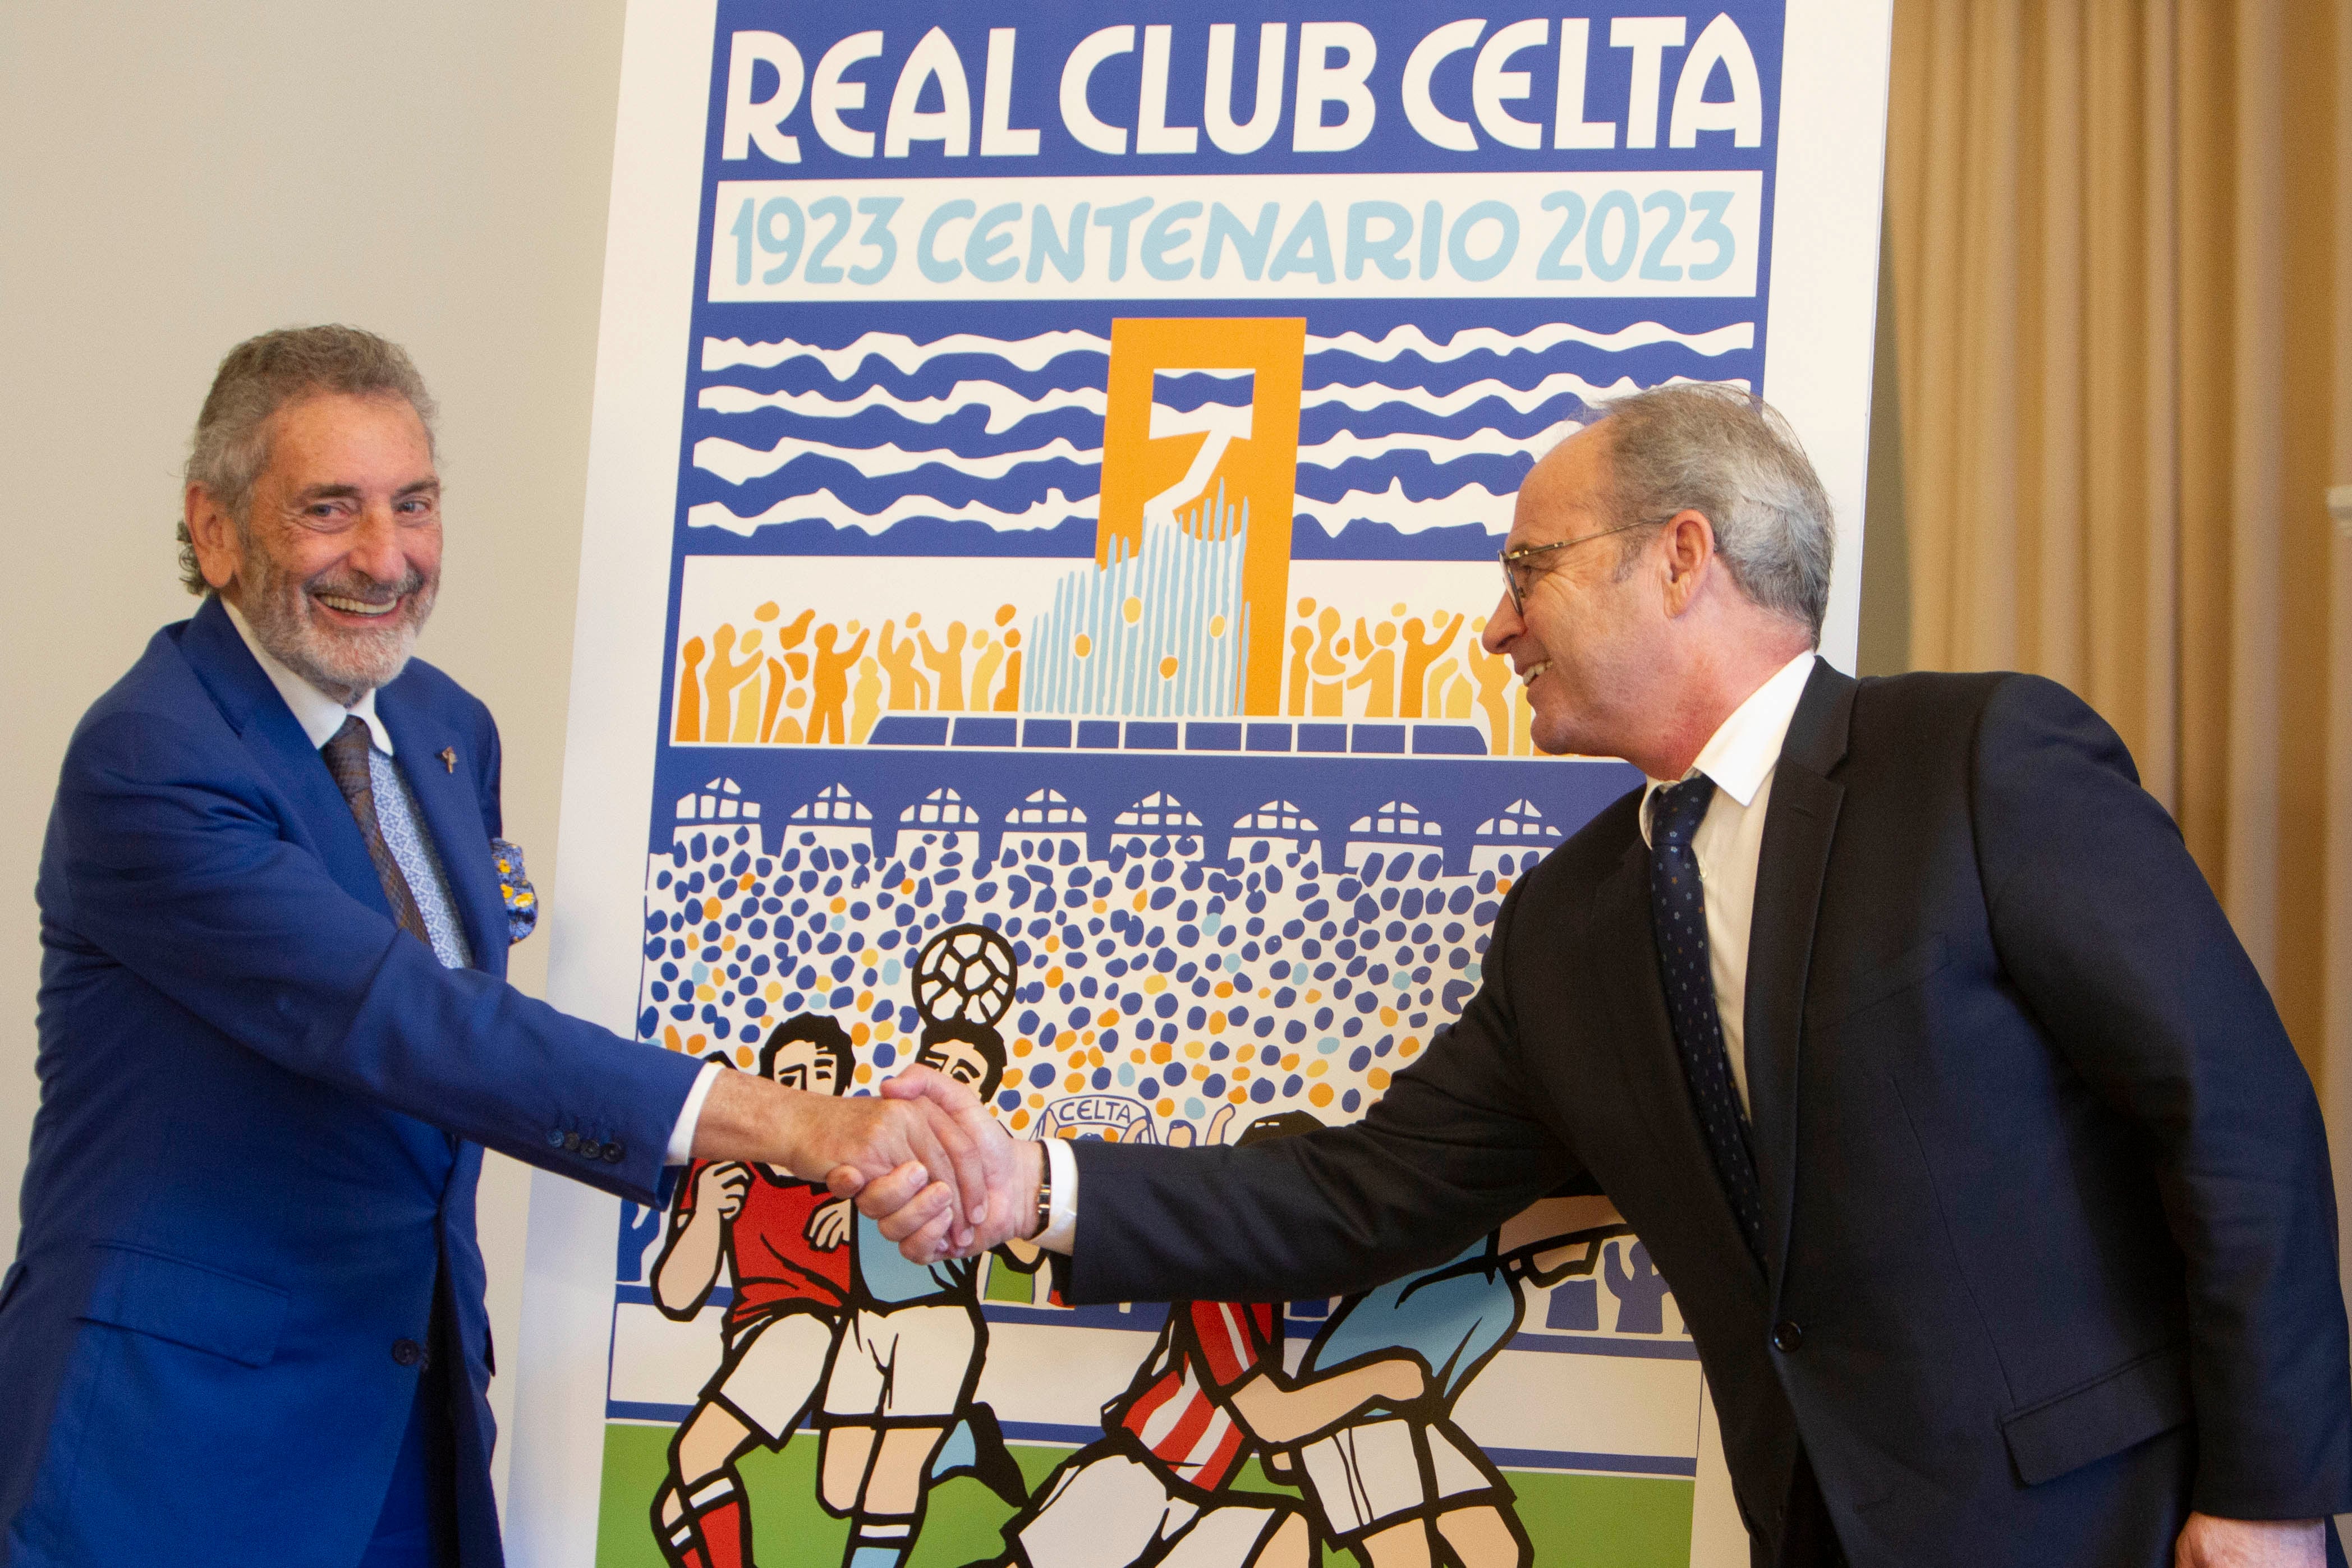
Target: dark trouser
[{"x": 1808, "y": 1539}]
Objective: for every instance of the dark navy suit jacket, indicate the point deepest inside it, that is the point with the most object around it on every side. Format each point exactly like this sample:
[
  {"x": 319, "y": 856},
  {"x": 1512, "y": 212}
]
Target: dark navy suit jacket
[
  {"x": 243, "y": 1176},
  {"x": 2050, "y": 1230}
]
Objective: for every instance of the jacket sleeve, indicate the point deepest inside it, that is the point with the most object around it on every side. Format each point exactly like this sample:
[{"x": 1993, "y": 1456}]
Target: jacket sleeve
[
  {"x": 174, "y": 866},
  {"x": 1448, "y": 1153},
  {"x": 2111, "y": 933}
]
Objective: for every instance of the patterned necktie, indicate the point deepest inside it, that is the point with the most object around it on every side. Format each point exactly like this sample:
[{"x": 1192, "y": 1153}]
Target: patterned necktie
[
  {"x": 347, "y": 759},
  {"x": 1678, "y": 916}
]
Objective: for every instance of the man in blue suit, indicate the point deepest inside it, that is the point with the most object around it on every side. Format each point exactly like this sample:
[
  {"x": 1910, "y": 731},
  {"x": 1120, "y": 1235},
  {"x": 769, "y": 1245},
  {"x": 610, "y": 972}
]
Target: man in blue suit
[{"x": 245, "y": 1324}]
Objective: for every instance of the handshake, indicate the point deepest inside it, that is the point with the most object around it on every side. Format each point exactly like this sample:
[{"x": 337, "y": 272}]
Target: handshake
[{"x": 925, "y": 1160}]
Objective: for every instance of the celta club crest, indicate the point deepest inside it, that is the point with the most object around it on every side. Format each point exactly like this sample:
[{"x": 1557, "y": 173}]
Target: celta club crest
[{"x": 964, "y": 975}]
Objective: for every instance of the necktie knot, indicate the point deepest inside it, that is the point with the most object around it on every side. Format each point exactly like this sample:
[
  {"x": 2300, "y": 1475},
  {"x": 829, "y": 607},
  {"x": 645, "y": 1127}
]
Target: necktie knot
[
  {"x": 1678, "y": 809},
  {"x": 347, "y": 758}
]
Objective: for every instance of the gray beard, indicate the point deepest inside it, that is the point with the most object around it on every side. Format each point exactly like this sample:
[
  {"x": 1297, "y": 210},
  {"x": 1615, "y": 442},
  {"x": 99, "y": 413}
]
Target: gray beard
[{"x": 346, "y": 665}]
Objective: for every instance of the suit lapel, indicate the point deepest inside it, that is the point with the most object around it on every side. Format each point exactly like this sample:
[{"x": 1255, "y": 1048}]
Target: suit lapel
[
  {"x": 443, "y": 790},
  {"x": 1799, "y": 827},
  {"x": 262, "y": 720},
  {"x": 1625, "y": 965}
]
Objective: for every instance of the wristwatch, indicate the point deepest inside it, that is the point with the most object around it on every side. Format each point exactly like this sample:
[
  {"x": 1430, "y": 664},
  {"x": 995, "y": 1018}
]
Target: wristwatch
[{"x": 1044, "y": 1194}]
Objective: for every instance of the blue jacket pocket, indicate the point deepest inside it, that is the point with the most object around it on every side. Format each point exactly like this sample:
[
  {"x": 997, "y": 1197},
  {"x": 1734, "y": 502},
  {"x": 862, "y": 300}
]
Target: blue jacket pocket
[{"x": 186, "y": 1303}]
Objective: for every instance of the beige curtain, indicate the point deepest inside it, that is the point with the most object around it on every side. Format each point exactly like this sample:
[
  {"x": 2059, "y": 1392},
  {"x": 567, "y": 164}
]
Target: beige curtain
[{"x": 2121, "y": 240}]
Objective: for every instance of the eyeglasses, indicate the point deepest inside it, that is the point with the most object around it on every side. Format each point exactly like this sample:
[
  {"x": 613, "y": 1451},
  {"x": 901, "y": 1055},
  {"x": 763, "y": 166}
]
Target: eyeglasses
[{"x": 1518, "y": 582}]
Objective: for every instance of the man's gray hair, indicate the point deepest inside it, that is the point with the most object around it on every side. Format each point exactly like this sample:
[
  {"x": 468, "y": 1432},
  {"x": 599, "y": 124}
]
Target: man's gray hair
[
  {"x": 1731, "y": 457},
  {"x": 262, "y": 375}
]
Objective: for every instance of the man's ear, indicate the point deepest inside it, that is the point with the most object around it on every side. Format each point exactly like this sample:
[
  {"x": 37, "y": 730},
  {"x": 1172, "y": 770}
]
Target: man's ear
[
  {"x": 1688, "y": 546},
  {"x": 219, "y": 544}
]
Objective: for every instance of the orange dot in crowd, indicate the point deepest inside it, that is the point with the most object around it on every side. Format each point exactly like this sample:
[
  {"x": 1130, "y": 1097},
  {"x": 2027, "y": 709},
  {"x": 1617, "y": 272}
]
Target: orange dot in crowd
[
  {"x": 1320, "y": 1095},
  {"x": 1087, "y": 1036},
  {"x": 1502, "y": 885},
  {"x": 1199, "y": 1071},
  {"x": 1160, "y": 1051},
  {"x": 695, "y": 1043},
  {"x": 1216, "y": 1023},
  {"x": 1138, "y": 1056},
  {"x": 1037, "y": 1102},
  {"x": 1290, "y": 1062},
  {"x": 767, "y": 612},
  {"x": 1132, "y": 610},
  {"x": 839, "y": 903},
  {"x": 1053, "y": 944},
  {"x": 1011, "y": 1078},
  {"x": 1237, "y": 1095},
  {"x": 1378, "y": 1078},
  {"x": 1264, "y": 992},
  {"x": 1194, "y": 1047},
  {"x": 860, "y": 1035},
  {"x": 1102, "y": 905},
  {"x": 1053, "y": 975},
  {"x": 1224, "y": 988},
  {"x": 1241, "y": 1074},
  {"x": 1020, "y": 1120},
  {"x": 1388, "y": 1018},
  {"x": 865, "y": 1072},
  {"x": 907, "y": 885},
  {"x": 743, "y": 882},
  {"x": 885, "y": 1030},
  {"x": 1082, "y": 645},
  {"x": 710, "y": 907},
  {"x": 1074, "y": 1082},
  {"x": 1108, "y": 1016},
  {"x": 742, "y": 1056},
  {"x": 1314, "y": 996},
  {"x": 1168, "y": 667},
  {"x": 773, "y": 990},
  {"x": 1410, "y": 1046},
  {"x": 1096, "y": 1056},
  {"x": 1023, "y": 1046},
  {"x": 865, "y": 1001},
  {"x": 1143, "y": 900},
  {"x": 1165, "y": 1108}
]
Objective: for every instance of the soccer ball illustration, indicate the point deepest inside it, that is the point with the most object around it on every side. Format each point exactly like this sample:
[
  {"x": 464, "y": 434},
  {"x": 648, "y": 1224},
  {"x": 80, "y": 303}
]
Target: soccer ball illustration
[{"x": 964, "y": 975}]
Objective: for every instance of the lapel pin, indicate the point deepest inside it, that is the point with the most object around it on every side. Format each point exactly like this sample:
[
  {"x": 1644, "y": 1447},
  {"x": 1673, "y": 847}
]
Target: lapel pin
[{"x": 448, "y": 754}]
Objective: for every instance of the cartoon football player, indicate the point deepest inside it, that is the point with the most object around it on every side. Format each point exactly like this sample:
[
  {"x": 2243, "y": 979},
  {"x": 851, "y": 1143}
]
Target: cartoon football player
[
  {"x": 1405, "y": 1489},
  {"x": 898, "y": 1399},
  {"x": 1155, "y": 1489},
  {"x": 782, "y": 1241}
]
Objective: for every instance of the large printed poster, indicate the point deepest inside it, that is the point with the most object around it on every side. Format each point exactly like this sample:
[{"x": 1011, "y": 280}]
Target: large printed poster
[{"x": 1094, "y": 435}]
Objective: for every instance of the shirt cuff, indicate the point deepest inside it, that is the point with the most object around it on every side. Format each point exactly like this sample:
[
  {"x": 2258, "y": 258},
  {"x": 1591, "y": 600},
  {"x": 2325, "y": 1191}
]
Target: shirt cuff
[
  {"x": 681, "y": 1137},
  {"x": 1062, "y": 1213}
]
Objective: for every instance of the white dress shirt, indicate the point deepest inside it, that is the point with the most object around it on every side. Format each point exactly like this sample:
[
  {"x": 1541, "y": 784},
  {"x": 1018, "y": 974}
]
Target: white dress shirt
[
  {"x": 1740, "y": 756},
  {"x": 321, "y": 716}
]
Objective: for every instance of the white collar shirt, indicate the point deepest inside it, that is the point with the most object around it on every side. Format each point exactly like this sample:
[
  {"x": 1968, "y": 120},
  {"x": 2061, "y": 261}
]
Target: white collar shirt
[
  {"x": 320, "y": 715},
  {"x": 1740, "y": 756}
]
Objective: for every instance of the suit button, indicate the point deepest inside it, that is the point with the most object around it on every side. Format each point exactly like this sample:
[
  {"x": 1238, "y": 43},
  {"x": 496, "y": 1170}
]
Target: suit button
[
  {"x": 570, "y": 1141},
  {"x": 554, "y": 1139},
  {"x": 611, "y": 1153},
  {"x": 591, "y": 1149},
  {"x": 407, "y": 1352},
  {"x": 1787, "y": 1335}
]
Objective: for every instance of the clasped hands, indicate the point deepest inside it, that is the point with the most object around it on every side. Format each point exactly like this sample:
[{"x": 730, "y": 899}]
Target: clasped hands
[{"x": 924, "y": 1159}]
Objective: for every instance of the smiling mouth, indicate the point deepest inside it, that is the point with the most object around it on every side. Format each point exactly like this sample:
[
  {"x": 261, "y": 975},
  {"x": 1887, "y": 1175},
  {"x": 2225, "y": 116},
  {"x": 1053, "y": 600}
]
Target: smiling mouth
[
  {"x": 361, "y": 607},
  {"x": 1527, "y": 676}
]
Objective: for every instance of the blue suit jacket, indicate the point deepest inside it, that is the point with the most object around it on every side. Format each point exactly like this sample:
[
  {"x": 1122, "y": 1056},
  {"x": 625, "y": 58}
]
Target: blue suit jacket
[{"x": 243, "y": 1176}]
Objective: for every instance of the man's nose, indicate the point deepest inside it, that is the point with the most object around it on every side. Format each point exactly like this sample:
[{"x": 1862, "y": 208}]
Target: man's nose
[
  {"x": 1502, "y": 626},
  {"x": 375, "y": 546}
]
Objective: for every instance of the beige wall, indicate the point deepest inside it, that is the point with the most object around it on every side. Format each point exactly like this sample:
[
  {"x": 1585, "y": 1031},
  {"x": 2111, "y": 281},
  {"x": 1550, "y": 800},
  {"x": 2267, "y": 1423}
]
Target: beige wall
[{"x": 176, "y": 177}]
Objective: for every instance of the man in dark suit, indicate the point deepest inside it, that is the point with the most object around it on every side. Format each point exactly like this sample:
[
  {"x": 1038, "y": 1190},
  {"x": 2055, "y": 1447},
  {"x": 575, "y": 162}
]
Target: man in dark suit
[
  {"x": 244, "y": 1325},
  {"x": 1895, "y": 1018}
]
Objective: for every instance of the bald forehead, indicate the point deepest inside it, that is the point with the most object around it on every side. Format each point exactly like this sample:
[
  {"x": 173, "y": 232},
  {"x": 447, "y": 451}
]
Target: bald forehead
[{"x": 1566, "y": 490}]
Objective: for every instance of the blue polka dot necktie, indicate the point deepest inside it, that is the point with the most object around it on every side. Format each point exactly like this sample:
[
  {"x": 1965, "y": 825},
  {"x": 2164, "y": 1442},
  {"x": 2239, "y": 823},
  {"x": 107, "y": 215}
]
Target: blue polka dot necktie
[{"x": 1678, "y": 917}]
